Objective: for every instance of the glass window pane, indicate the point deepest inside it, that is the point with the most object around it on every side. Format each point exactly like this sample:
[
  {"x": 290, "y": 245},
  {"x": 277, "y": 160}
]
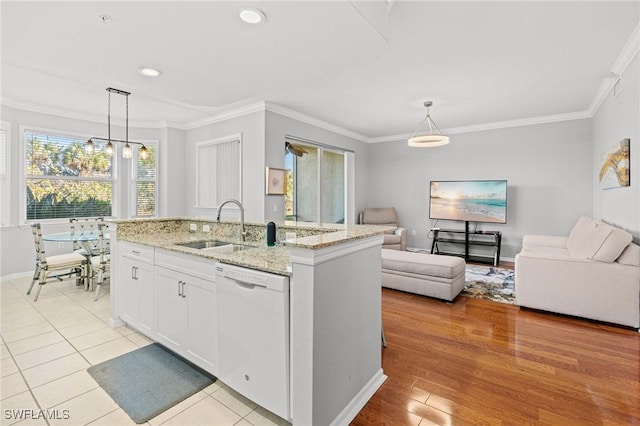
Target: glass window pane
[
  {"x": 55, "y": 155},
  {"x": 289, "y": 196},
  {"x": 306, "y": 183},
  {"x": 147, "y": 167},
  {"x": 332, "y": 188},
  {"x": 146, "y": 198},
  {"x": 59, "y": 198}
]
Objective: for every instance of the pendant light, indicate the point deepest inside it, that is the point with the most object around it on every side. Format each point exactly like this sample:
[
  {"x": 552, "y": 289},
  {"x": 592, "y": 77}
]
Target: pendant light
[
  {"x": 127, "y": 150},
  {"x": 432, "y": 138}
]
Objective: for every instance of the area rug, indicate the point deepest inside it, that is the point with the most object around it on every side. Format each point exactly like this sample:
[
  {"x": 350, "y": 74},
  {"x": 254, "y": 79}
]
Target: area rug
[
  {"x": 490, "y": 283},
  {"x": 149, "y": 380}
]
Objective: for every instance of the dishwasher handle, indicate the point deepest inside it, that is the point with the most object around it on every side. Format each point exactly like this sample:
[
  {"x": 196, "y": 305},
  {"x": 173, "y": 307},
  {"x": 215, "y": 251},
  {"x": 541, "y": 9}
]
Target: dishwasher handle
[{"x": 245, "y": 284}]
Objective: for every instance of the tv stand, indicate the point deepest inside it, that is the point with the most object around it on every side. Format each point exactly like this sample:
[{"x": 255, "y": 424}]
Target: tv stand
[{"x": 471, "y": 238}]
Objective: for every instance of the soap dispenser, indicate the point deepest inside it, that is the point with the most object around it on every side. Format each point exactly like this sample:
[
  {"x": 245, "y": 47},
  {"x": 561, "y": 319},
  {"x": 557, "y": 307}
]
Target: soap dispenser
[{"x": 271, "y": 234}]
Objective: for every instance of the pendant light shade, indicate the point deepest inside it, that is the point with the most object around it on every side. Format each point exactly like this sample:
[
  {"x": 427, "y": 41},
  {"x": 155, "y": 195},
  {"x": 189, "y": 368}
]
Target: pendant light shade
[
  {"x": 89, "y": 148},
  {"x": 433, "y": 136},
  {"x": 126, "y": 151}
]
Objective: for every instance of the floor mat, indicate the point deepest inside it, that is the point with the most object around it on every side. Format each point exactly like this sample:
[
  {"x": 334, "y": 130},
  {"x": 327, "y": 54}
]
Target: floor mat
[{"x": 149, "y": 380}]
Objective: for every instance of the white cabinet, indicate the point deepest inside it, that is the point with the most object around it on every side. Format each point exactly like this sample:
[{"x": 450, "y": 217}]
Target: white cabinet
[
  {"x": 172, "y": 308},
  {"x": 137, "y": 290},
  {"x": 187, "y": 318}
]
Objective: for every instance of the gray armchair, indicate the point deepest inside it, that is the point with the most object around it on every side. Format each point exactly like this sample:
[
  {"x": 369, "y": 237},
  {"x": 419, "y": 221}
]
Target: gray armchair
[{"x": 396, "y": 239}]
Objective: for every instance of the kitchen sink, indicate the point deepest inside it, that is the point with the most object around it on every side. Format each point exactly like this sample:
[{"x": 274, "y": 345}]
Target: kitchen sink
[{"x": 216, "y": 246}]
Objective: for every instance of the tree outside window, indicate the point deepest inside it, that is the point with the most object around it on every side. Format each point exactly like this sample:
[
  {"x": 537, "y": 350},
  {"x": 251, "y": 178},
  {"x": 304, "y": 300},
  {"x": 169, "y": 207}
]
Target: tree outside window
[{"x": 62, "y": 181}]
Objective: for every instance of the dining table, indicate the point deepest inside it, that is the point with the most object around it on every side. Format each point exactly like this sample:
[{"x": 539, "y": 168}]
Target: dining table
[{"x": 85, "y": 239}]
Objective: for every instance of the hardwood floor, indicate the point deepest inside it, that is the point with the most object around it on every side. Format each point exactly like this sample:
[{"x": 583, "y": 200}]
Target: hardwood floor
[{"x": 481, "y": 362}]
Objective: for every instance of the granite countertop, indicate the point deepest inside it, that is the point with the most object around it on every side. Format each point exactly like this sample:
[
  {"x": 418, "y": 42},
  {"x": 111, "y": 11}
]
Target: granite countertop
[{"x": 269, "y": 259}]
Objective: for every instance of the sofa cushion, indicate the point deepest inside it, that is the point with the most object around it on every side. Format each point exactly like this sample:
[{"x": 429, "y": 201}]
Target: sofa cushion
[
  {"x": 586, "y": 238},
  {"x": 592, "y": 239},
  {"x": 423, "y": 264},
  {"x": 630, "y": 255},
  {"x": 613, "y": 245}
]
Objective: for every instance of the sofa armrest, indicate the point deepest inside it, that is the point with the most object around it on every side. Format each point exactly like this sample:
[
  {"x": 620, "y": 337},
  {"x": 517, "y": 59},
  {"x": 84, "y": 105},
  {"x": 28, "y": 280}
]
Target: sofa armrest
[
  {"x": 403, "y": 237},
  {"x": 531, "y": 241},
  {"x": 580, "y": 287}
]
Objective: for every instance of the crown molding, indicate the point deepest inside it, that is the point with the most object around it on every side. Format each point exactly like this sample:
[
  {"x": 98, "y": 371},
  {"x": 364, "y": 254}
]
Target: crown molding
[
  {"x": 278, "y": 109},
  {"x": 622, "y": 62},
  {"x": 629, "y": 51},
  {"x": 226, "y": 115},
  {"x": 39, "y": 109},
  {"x": 496, "y": 125}
]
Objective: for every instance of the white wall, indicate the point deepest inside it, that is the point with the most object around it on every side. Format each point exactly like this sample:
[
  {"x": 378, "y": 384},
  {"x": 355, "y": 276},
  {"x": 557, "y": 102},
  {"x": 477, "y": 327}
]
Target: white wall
[
  {"x": 251, "y": 126},
  {"x": 548, "y": 168},
  {"x": 277, "y": 126},
  {"x": 171, "y": 175},
  {"x": 616, "y": 119}
]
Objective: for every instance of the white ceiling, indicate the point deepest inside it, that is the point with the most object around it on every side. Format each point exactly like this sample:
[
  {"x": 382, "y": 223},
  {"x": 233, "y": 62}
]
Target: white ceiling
[{"x": 358, "y": 65}]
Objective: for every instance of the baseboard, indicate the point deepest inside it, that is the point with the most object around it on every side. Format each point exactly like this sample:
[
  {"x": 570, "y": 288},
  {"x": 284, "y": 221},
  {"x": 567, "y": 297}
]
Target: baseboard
[
  {"x": 16, "y": 275},
  {"x": 360, "y": 400}
]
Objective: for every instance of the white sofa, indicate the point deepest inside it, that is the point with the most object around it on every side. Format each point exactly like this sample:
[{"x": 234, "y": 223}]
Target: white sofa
[{"x": 593, "y": 273}]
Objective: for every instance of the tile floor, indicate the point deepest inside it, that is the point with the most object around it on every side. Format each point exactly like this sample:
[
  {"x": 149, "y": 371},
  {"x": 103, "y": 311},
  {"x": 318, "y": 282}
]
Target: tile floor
[{"x": 47, "y": 347}]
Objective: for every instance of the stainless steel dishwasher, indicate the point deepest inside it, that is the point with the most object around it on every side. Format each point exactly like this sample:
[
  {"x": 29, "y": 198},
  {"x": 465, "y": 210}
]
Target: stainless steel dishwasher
[{"x": 253, "y": 335}]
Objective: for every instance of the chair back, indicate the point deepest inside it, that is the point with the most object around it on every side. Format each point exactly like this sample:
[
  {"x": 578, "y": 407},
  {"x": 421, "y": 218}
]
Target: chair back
[
  {"x": 379, "y": 216},
  {"x": 81, "y": 226},
  {"x": 103, "y": 244},
  {"x": 41, "y": 257}
]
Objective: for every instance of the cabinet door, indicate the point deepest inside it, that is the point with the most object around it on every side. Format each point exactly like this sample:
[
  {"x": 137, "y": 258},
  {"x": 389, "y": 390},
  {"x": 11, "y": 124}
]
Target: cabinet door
[
  {"x": 172, "y": 309},
  {"x": 146, "y": 299},
  {"x": 202, "y": 324},
  {"x": 128, "y": 291}
]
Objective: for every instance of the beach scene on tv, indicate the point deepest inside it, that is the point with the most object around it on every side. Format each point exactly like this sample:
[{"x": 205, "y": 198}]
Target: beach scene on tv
[{"x": 474, "y": 201}]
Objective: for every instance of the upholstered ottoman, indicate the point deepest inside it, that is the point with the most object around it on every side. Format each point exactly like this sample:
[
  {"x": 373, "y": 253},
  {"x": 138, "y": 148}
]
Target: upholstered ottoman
[{"x": 430, "y": 275}]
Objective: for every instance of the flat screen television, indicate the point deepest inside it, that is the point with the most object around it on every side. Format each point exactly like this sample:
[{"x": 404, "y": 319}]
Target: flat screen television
[{"x": 469, "y": 200}]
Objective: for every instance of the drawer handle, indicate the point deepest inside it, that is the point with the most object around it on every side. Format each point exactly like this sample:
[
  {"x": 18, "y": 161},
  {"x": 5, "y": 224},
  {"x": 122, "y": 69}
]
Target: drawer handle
[{"x": 135, "y": 252}]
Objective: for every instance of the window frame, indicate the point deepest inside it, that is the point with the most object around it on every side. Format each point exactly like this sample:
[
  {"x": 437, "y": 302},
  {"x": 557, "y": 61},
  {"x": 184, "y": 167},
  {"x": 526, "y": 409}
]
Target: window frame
[
  {"x": 349, "y": 178},
  {"x": 133, "y": 179},
  {"x": 22, "y": 187},
  {"x": 5, "y": 181}
]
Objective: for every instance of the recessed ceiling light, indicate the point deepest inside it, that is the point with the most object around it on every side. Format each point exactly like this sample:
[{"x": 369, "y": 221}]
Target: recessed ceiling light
[
  {"x": 149, "y": 72},
  {"x": 251, "y": 15}
]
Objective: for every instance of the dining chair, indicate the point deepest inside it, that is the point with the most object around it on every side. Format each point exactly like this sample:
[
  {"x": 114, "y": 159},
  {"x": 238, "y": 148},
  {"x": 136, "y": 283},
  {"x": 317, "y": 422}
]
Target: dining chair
[
  {"x": 100, "y": 264},
  {"x": 85, "y": 225},
  {"x": 72, "y": 263}
]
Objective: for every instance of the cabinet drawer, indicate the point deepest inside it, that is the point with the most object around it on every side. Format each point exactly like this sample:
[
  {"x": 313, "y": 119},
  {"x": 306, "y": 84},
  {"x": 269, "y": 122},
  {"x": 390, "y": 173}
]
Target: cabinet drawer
[
  {"x": 137, "y": 251},
  {"x": 187, "y": 264}
]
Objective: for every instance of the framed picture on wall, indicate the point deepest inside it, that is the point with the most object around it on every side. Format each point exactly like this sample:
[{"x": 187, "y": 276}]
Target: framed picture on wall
[
  {"x": 614, "y": 166},
  {"x": 276, "y": 180}
]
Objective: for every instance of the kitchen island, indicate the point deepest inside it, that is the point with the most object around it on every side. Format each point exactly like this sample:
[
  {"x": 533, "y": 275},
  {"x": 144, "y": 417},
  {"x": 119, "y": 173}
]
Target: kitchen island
[{"x": 332, "y": 325}]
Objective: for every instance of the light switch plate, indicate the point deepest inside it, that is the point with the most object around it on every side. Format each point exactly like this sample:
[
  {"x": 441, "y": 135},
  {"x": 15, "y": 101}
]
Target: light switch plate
[
  {"x": 206, "y": 228},
  {"x": 193, "y": 227}
]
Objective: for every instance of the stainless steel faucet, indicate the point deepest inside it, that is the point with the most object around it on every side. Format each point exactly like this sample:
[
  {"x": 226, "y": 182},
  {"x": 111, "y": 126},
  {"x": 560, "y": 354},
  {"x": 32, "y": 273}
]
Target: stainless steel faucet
[{"x": 239, "y": 204}]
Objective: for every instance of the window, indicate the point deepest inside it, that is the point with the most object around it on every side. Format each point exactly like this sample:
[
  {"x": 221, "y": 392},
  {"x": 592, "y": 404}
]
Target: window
[
  {"x": 144, "y": 185},
  {"x": 4, "y": 173},
  {"x": 218, "y": 171},
  {"x": 316, "y": 181},
  {"x": 62, "y": 181}
]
